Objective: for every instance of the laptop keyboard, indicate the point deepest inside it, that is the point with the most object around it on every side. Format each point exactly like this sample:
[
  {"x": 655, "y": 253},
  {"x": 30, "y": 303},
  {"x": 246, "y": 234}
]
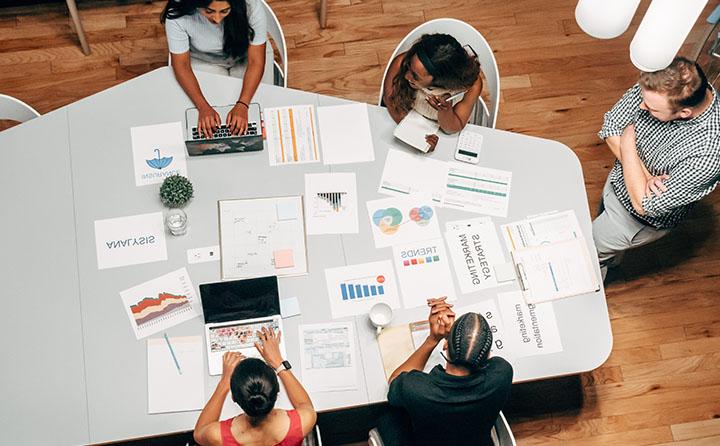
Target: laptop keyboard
[
  {"x": 237, "y": 337},
  {"x": 224, "y": 132}
]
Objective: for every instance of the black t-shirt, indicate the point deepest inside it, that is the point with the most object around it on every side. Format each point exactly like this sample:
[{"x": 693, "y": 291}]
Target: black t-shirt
[{"x": 453, "y": 410}]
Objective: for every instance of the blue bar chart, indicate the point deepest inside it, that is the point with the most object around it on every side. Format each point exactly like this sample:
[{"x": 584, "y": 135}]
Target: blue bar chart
[{"x": 351, "y": 291}]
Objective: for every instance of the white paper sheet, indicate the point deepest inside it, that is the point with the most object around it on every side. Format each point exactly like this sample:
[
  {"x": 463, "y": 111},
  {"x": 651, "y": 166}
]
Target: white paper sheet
[
  {"x": 158, "y": 152},
  {"x": 345, "y": 134},
  {"x": 556, "y": 270},
  {"x": 477, "y": 189},
  {"x": 130, "y": 240},
  {"x": 354, "y": 289},
  {"x": 541, "y": 230},
  {"x": 413, "y": 174},
  {"x": 413, "y": 129},
  {"x": 262, "y": 237},
  {"x": 329, "y": 359},
  {"x": 161, "y": 303},
  {"x": 401, "y": 220},
  {"x": 489, "y": 310},
  {"x": 419, "y": 332},
  {"x": 475, "y": 249},
  {"x": 169, "y": 390},
  {"x": 331, "y": 203},
  {"x": 531, "y": 329},
  {"x": 291, "y": 134},
  {"x": 289, "y": 307},
  {"x": 423, "y": 272}
]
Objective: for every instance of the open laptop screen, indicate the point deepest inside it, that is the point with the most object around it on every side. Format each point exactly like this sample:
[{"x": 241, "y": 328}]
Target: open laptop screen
[{"x": 240, "y": 299}]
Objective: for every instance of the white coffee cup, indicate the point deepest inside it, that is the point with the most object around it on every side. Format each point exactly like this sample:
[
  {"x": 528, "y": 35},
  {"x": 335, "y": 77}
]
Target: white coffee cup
[{"x": 380, "y": 316}]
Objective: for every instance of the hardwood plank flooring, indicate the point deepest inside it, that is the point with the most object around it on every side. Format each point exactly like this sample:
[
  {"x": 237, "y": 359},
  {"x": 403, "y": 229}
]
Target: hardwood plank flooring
[{"x": 661, "y": 384}]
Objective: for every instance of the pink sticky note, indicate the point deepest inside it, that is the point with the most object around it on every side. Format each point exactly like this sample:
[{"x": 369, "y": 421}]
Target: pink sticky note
[{"x": 284, "y": 258}]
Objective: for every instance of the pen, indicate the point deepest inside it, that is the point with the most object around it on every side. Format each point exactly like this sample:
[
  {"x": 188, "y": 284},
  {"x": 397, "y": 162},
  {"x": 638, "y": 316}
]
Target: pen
[{"x": 172, "y": 352}]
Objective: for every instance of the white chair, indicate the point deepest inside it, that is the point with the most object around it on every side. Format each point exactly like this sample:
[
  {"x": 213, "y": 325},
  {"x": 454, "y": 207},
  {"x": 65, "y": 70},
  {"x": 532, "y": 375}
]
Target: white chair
[
  {"x": 279, "y": 70},
  {"x": 501, "y": 434},
  {"x": 15, "y": 109},
  {"x": 275, "y": 73},
  {"x": 313, "y": 438},
  {"x": 466, "y": 35}
]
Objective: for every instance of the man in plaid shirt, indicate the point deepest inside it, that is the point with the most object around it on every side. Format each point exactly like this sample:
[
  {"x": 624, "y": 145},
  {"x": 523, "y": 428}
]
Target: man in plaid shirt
[{"x": 665, "y": 134}]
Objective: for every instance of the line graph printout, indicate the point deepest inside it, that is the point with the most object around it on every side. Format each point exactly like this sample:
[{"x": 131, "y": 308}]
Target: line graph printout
[
  {"x": 292, "y": 136},
  {"x": 353, "y": 289},
  {"x": 262, "y": 237},
  {"x": 161, "y": 303},
  {"x": 331, "y": 203}
]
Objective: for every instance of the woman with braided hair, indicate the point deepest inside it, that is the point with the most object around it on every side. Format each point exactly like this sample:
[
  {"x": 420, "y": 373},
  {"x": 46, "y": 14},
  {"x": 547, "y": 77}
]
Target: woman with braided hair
[{"x": 454, "y": 405}]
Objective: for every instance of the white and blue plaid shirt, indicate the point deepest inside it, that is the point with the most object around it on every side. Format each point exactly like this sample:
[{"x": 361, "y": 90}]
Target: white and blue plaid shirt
[{"x": 686, "y": 150}]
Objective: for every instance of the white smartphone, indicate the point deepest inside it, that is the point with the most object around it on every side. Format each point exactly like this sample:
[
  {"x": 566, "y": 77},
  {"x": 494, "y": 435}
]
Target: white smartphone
[{"x": 468, "y": 147}]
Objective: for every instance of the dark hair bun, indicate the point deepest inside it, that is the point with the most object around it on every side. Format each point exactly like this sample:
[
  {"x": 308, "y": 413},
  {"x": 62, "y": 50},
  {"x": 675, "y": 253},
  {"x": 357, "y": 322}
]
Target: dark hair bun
[
  {"x": 254, "y": 387},
  {"x": 259, "y": 404}
]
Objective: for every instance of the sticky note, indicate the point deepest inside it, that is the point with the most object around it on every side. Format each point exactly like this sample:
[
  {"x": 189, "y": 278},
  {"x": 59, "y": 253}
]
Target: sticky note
[
  {"x": 289, "y": 307},
  {"x": 284, "y": 258},
  {"x": 286, "y": 210}
]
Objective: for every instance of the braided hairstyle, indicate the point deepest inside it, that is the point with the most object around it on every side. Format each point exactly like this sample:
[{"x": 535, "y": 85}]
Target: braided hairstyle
[
  {"x": 469, "y": 341},
  {"x": 254, "y": 387}
]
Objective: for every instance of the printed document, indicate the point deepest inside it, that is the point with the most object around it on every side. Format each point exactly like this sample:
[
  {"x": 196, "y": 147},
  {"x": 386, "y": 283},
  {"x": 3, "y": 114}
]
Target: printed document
[
  {"x": 413, "y": 128},
  {"x": 130, "y": 240},
  {"x": 413, "y": 174},
  {"x": 329, "y": 360},
  {"x": 477, "y": 189},
  {"x": 556, "y": 270},
  {"x": 161, "y": 303},
  {"x": 423, "y": 270},
  {"x": 531, "y": 328},
  {"x": 291, "y": 134},
  {"x": 331, "y": 203},
  {"x": 176, "y": 381},
  {"x": 401, "y": 220},
  {"x": 541, "y": 230},
  {"x": 354, "y": 289},
  {"x": 345, "y": 134},
  {"x": 475, "y": 250},
  {"x": 158, "y": 152}
]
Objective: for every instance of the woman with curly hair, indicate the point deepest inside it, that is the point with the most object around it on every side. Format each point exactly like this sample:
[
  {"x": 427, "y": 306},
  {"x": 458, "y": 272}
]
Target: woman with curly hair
[{"x": 435, "y": 69}]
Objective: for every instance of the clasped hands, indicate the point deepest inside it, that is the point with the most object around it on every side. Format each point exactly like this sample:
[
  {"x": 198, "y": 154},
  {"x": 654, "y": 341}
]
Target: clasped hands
[
  {"x": 268, "y": 346},
  {"x": 441, "y": 318},
  {"x": 654, "y": 184}
]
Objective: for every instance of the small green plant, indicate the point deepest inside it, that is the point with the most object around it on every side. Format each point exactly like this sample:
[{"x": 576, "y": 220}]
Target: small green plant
[{"x": 176, "y": 191}]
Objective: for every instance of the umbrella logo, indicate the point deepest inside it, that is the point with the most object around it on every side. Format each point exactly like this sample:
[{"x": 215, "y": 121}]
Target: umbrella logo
[{"x": 159, "y": 163}]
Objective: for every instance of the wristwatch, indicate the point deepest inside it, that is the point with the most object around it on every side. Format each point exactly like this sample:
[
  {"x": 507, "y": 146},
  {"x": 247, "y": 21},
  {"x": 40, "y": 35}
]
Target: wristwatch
[{"x": 285, "y": 365}]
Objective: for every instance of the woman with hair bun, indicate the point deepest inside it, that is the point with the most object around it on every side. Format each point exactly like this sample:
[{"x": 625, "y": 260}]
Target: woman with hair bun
[
  {"x": 455, "y": 405},
  {"x": 254, "y": 386}
]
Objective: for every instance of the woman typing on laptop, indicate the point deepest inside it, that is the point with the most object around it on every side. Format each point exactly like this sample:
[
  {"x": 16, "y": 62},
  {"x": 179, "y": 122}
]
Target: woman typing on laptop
[
  {"x": 221, "y": 37},
  {"x": 254, "y": 386},
  {"x": 437, "y": 78}
]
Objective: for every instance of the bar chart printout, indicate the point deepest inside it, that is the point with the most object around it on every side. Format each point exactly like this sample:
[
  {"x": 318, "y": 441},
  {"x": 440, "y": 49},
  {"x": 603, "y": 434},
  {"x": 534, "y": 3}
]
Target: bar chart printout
[{"x": 353, "y": 289}]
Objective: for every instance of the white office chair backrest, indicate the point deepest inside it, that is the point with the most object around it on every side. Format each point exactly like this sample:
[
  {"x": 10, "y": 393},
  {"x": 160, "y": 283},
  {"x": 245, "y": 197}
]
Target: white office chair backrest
[
  {"x": 501, "y": 433},
  {"x": 466, "y": 35},
  {"x": 278, "y": 36},
  {"x": 15, "y": 109}
]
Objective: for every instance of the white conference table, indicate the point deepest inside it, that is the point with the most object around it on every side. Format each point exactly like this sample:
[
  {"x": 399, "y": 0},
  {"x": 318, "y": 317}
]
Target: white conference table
[{"x": 72, "y": 364}]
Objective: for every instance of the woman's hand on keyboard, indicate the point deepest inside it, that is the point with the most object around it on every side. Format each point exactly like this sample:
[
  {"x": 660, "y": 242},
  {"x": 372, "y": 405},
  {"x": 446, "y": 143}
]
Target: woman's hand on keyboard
[
  {"x": 269, "y": 346},
  {"x": 237, "y": 119},
  {"x": 208, "y": 121}
]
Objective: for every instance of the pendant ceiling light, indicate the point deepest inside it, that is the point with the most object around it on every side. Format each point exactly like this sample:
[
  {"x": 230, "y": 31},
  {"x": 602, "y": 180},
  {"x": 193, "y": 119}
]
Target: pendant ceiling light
[
  {"x": 605, "y": 19},
  {"x": 662, "y": 32}
]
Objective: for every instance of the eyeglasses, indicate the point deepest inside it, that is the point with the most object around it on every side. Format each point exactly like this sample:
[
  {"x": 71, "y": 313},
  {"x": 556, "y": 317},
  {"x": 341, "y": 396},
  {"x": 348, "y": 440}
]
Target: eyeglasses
[{"x": 470, "y": 51}]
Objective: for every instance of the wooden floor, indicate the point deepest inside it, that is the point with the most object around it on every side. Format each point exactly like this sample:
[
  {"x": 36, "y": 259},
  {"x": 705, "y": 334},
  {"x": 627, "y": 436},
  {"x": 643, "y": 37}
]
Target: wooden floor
[{"x": 661, "y": 385}]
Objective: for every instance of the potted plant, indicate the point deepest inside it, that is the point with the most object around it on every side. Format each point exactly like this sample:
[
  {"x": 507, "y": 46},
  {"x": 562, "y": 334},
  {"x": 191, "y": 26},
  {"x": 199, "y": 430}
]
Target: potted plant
[{"x": 176, "y": 191}]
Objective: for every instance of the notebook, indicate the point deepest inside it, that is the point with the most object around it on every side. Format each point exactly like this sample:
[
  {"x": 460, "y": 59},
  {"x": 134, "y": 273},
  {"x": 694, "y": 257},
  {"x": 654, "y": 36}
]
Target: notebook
[
  {"x": 234, "y": 311},
  {"x": 413, "y": 129}
]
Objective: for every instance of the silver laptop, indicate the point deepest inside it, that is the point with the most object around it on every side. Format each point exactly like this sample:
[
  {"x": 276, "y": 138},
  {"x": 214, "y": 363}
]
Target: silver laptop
[
  {"x": 223, "y": 141},
  {"x": 234, "y": 312}
]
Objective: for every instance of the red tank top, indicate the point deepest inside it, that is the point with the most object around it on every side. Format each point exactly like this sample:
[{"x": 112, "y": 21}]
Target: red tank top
[{"x": 294, "y": 436}]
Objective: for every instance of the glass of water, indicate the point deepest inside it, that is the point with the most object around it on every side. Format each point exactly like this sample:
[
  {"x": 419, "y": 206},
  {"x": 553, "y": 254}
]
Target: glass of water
[{"x": 176, "y": 221}]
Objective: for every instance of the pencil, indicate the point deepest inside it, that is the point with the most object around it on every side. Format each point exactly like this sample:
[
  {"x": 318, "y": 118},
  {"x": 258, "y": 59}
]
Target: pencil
[{"x": 172, "y": 352}]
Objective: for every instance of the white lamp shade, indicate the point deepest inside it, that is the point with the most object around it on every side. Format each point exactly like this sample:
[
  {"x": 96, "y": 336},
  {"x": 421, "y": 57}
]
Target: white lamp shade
[
  {"x": 605, "y": 19},
  {"x": 662, "y": 31}
]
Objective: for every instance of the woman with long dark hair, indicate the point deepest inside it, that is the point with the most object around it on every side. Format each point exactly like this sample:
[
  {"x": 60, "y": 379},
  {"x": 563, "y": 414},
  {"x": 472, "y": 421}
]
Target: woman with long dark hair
[
  {"x": 425, "y": 78},
  {"x": 222, "y": 37},
  {"x": 254, "y": 386}
]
